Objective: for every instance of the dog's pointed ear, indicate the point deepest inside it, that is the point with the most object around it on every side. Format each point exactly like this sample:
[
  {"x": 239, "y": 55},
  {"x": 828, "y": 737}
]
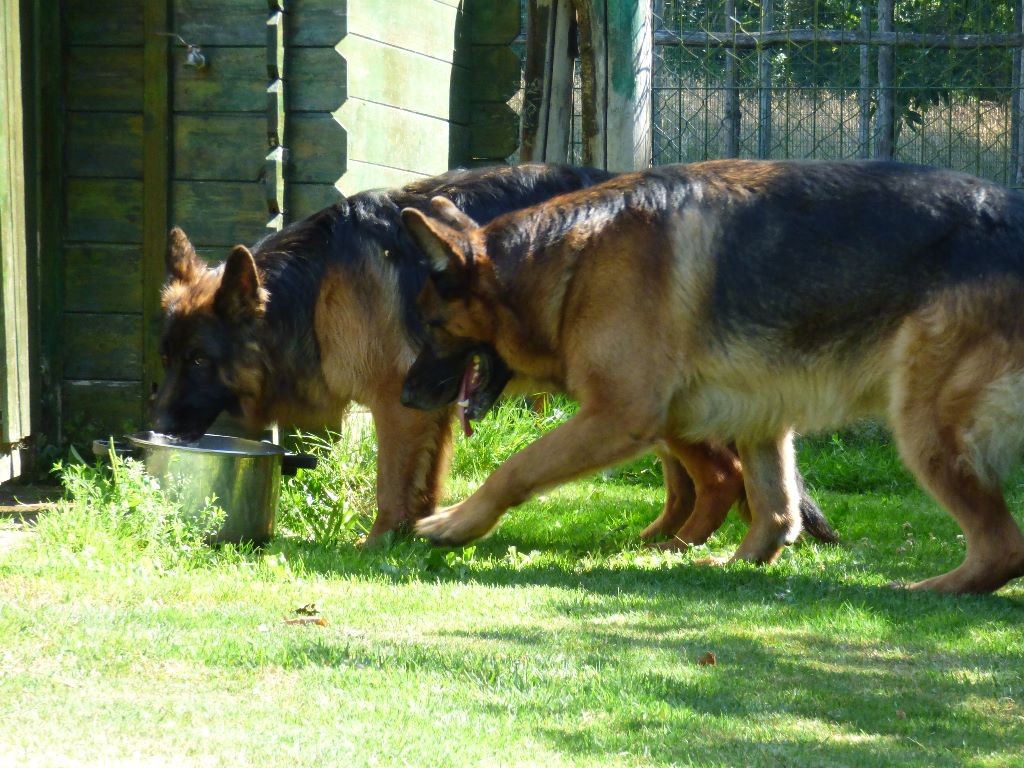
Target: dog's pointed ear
[
  {"x": 445, "y": 247},
  {"x": 451, "y": 215},
  {"x": 182, "y": 262},
  {"x": 240, "y": 296}
]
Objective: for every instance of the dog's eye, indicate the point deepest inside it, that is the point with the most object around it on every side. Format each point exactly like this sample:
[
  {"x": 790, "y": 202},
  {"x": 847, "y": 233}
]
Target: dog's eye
[{"x": 199, "y": 361}]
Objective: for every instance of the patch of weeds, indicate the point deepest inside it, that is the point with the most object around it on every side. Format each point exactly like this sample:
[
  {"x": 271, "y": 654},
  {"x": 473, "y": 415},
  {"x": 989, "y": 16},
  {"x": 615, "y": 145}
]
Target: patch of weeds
[
  {"x": 335, "y": 502},
  {"x": 116, "y": 513},
  {"x": 455, "y": 562}
]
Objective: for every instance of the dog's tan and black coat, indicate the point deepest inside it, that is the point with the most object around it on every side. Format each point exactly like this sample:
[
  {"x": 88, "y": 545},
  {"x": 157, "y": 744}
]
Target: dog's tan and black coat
[
  {"x": 740, "y": 300},
  {"x": 323, "y": 313}
]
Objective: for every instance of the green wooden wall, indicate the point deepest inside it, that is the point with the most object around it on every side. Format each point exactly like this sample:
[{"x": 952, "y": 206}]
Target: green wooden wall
[
  {"x": 14, "y": 332},
  {"x": 298, "y": 101},
  {"x": 491, "y": 74}
]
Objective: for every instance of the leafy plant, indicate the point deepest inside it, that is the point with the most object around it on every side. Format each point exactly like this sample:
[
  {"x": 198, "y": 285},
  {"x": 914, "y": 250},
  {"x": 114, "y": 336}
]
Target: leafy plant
[
  {"x": 337, "y": 500},
  {"x": 118, "y": 510}
]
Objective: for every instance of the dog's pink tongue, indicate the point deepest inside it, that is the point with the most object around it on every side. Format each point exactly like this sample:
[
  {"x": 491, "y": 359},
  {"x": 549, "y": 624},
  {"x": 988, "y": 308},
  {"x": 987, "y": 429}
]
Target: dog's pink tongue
[{"x": 460, "y": 407}]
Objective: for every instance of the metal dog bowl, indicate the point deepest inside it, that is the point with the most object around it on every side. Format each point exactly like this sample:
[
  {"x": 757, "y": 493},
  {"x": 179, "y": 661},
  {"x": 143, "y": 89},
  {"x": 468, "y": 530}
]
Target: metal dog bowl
[{"x": 244, "y": 476}]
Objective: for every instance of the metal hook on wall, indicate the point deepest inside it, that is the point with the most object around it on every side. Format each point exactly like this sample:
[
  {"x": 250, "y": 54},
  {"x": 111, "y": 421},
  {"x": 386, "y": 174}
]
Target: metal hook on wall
[{"x": 194, "y": 56}]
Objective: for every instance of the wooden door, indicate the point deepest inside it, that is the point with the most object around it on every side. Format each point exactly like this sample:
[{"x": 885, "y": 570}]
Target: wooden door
[{"x": 14, "y": 358}]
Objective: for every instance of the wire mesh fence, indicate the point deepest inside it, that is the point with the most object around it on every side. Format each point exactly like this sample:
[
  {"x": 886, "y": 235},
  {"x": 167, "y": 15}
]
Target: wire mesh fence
[
  {"x": 936, "y": 82},
  {"x": 807, "y": 79}
]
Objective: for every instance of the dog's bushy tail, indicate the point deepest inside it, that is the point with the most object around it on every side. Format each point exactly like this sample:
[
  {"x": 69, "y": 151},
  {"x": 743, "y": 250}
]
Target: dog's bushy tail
[
  {"x": 812, "y": 518},
  {"x": 814, "y": 522}
]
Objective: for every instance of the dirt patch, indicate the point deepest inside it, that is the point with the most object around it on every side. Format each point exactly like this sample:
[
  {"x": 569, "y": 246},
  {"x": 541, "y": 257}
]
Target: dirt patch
[
  {"x": 11, "y": 538},
  {"x": 20, "y": 505},
  {"x": 16, "y": 498}
]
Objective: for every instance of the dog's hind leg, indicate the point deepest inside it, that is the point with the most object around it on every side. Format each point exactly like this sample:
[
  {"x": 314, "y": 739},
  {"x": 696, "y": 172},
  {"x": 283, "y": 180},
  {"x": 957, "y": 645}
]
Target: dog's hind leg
[
  {"x": 679, "y": 497},
  {"x": 812, "y": 519},
  {"x": 718, "y": 481},
  {"x": 958, "y": 426},
  {"x": 769, "y": 476}
]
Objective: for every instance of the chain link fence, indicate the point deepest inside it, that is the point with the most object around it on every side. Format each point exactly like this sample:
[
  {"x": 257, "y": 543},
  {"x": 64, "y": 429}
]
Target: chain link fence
[
  {"x": 925, "y": 81},
  {"x": 809, "y": 79}
]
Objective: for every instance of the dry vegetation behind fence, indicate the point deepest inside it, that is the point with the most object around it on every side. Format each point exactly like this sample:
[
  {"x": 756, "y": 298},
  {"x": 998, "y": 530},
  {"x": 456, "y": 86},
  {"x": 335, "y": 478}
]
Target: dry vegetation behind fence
[
  {"x": 966, "y": 134},
  {"x": 819, "y": 79}
]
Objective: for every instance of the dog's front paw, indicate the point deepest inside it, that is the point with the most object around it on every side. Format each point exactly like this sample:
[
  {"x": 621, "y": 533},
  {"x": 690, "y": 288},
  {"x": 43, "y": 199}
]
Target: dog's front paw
[{"x": 457, "y": 525}]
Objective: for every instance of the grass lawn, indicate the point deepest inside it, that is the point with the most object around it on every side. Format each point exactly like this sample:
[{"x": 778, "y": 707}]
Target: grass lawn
[{"x": 559, "y": 641}]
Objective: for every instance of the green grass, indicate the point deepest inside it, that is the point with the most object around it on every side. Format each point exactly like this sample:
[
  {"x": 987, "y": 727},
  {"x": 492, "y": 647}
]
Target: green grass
[{"x": 559, "y": 641}]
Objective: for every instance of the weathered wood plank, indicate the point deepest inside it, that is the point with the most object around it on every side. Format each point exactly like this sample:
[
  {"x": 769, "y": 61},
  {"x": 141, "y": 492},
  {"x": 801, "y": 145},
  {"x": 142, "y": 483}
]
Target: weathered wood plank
[
  {"x": 156, "y": 173},
  {"x": 616, "y": 40},
  {"x": 458, "y": 144},
  {"x": 315, "y": 79},
  {"x": 278, "y": 134},
  {"x": 492, "y": 21},
  {"x": 219, "y": 213},
  {"x": 316, "y": 22},
  {"x": 103, "y": 346},
  {"x": 885, "y": 109},
  {"x": 547, "y": 90},
  {"x": 102, "y": 408},
  {"x": 317, "y": 148},
  {"x": 104, "y": 210},
  {"x": 384, "y": 135},
  {"x": 112, "y": 22},
  {"x": 495, "y": 71},
  {"x": 359, "y": 176},
  {"x": 104, "y": 144},
  {"x": 221, "y": 22},
  {"x": 104, "y": 79},
  {"x": 764, "y": 95},
  {"x": 731, "y": 96},
  {"x": 47, "y": 128},
  {"x": 864, "y": 87},
  {"x": 493, "y": 132},
  {"x": 219, "y": 146},
  {"x": 306, "y": 199},
  {"x": 425, "y": 26},
  {"x": 103, "y": 278},
  {"x": 15, "y": 398},
  {"x": 274, "y": 41},
  {"x": 233, "y": 80},
  {"x": 384, "y": 74}
]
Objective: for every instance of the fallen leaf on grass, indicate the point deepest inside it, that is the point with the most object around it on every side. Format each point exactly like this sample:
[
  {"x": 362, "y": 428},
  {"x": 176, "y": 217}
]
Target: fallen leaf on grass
[
  {"x": 306, "y": 614},
  {"x": 707, "y": 660}
]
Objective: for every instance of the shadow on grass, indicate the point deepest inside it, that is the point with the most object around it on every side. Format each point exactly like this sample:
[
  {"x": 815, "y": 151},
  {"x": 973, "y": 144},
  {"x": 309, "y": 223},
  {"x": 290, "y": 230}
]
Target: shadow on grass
[
  {"x": 872, "y": 707},
  {"x": 817, "y": 663},
  {"x": 596, "y": 547},
  {"x": 830, "y": 674}
]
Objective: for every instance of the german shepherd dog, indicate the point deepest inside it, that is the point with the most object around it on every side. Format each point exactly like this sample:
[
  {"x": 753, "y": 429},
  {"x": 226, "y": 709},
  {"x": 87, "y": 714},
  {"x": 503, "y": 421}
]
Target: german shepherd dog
[
  {"x": 740, "y": 300},
  {"x": 698, "y": 497},
  {"x": 323, "y": 313}
]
